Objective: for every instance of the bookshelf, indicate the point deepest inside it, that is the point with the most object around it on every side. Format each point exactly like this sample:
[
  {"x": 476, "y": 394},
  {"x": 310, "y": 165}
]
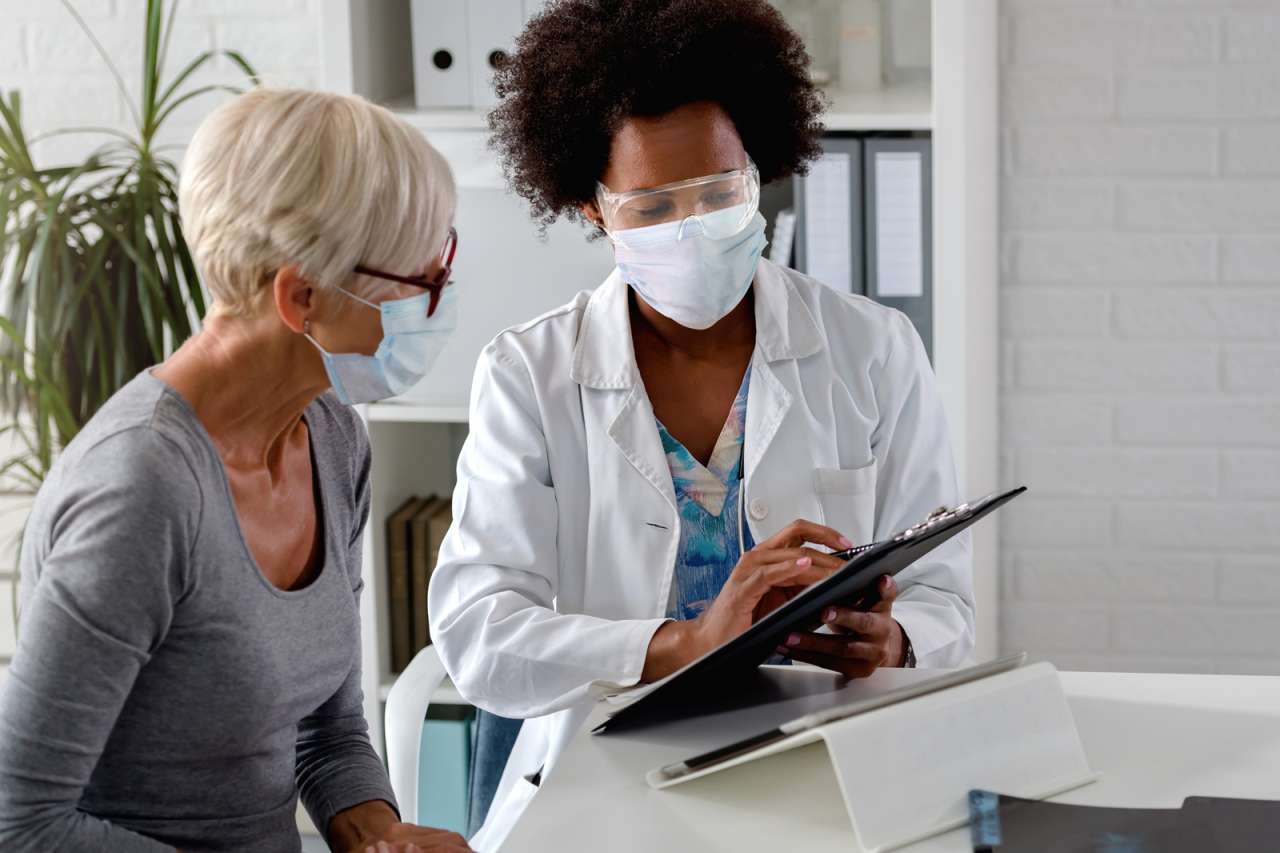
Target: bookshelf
[{"x": 366, "y": 50}]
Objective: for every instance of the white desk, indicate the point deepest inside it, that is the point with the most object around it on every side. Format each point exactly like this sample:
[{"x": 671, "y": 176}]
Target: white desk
[{"x": 1156, "y": 739}]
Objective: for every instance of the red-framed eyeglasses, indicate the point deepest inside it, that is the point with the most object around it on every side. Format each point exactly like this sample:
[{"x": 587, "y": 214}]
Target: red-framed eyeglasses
[{"x": 434, "y": 285}]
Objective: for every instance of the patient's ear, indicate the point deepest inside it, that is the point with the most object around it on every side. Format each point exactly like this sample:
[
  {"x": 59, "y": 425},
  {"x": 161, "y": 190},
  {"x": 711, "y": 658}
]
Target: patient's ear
[{"x": 294, "y": 297}]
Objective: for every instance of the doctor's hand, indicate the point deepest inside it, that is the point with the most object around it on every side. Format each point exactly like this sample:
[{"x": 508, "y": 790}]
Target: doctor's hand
[
  {"x": 862, "y": 640},
  {"x": 767, "y": 576}
]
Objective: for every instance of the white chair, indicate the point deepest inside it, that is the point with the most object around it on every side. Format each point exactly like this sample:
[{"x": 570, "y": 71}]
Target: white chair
[{"x": 407, "y": 703}]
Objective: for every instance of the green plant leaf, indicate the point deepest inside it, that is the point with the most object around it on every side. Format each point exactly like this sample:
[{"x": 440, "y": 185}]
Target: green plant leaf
[
  {"x": 164, "y": 40},
  {"x": 75, "y": 131},
  {"x": 194, "y": 93},
  {"x": 97, "y": 45},
  {"x": 237, "y": 58},
  {"x": 151, "y": 67},
  {"x": 182, "y": 76}
]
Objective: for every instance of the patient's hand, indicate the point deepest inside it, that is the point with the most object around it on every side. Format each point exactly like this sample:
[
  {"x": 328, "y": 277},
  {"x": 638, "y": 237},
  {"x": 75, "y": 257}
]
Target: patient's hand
[
  {"x": 408, "y": 838},
  {"x": 375, "y": 826}
]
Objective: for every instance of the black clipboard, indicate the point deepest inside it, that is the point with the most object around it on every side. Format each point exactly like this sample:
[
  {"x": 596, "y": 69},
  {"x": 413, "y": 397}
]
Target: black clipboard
[{"x": 721, "y": 672}]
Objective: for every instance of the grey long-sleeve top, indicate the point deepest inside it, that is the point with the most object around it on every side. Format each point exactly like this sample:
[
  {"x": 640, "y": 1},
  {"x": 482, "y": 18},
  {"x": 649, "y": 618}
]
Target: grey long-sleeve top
[{"x": 163, "y": 693}]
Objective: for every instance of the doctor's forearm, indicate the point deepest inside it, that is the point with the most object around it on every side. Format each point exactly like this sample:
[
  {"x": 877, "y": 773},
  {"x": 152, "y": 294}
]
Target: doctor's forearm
[{"x": 673, "y": 645}]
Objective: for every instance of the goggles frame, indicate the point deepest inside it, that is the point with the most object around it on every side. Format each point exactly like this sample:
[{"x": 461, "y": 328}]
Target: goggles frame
[{"x": 611, "y": 202}]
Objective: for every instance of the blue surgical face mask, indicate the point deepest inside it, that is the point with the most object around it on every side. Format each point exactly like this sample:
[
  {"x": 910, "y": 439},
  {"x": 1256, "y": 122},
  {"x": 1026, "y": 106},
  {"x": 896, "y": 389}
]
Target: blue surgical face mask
[
  {"x": 686, "y": 275},
  {"x": 411, "y": 342}
]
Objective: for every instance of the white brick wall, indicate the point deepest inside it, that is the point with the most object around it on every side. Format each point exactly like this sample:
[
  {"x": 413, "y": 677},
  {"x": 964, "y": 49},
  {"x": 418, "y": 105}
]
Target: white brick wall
[
  {"x": 64, "y": 83},
  {"x": 1140, "y": 315}
]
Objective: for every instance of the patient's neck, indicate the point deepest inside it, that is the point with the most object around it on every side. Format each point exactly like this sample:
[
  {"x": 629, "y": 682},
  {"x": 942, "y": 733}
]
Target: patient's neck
[{"x": 248, "y": 384}]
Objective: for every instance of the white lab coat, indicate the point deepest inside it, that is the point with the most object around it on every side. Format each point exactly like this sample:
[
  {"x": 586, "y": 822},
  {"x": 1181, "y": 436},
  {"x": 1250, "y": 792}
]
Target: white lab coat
[{"x": 559, "y": 565}]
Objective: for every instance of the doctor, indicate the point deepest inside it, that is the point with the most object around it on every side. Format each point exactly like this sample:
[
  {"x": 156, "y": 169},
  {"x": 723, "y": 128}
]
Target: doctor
[{"x": 653, "y": 466}]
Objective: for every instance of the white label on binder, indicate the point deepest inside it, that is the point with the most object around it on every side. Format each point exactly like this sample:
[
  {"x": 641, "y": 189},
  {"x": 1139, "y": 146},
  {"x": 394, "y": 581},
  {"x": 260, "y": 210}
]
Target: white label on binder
[
  {"x": 828, "y": 241},
  {"x": 899, "y": 224},
  {"x": 784, "y": 235}
]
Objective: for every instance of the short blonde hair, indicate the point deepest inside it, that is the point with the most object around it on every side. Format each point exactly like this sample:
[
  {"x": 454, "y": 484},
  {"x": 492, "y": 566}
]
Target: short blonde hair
[{"x": 324, "y": 181}]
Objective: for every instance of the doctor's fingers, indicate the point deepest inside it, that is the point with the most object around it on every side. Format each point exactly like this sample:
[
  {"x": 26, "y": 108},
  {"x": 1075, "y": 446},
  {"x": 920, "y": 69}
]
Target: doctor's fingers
[
  {"x": 887, "y": 590},
  {"x": 754, "y": 582},
  {"x": 761, "y": 556},
  {"x": 872, "y": 626},
  {"x": 801, "y": 531},
  {"x": 849, "y": 667},
  {"x": 836, "y": 646}
]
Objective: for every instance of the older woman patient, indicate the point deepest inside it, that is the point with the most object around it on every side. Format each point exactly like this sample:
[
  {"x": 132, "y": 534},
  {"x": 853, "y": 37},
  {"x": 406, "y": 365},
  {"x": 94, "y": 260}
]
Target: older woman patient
[{"x": 189, "y": 664}]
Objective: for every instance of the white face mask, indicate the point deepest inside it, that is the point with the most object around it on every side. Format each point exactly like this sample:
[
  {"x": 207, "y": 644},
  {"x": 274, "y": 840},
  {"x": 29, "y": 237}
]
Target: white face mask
[
  {"x": 687, "y": 276},
  {"x": 411, "y": 341}
]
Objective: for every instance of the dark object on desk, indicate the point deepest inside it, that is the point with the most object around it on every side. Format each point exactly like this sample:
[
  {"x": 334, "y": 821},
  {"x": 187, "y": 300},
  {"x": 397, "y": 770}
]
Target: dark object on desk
[
  {"x": 721, "y": 672},
  {"x": 1235, "y": 826},
  {"x": 1003, "y": 824}
]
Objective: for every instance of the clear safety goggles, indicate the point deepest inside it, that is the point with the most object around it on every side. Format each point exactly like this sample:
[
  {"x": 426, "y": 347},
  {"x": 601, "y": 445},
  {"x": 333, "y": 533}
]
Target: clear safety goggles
[{"x": 733, "y": 196}]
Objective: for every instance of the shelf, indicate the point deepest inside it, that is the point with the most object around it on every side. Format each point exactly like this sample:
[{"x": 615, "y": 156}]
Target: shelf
[
  {"x": 446, "y": 693},
  {"x": 392, "y": 412},
  {"x": 438, "y": 119},
  {"x": 903, "y": 106},
  {"x": 906, "y": 106}
]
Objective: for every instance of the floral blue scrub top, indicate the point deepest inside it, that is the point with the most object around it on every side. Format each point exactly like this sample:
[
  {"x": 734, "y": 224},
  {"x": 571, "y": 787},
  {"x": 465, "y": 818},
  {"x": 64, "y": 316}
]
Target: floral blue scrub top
[{"x": 708, "y": 500}]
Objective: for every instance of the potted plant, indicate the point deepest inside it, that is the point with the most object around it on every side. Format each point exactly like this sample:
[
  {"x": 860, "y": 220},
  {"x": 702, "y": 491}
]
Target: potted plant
[{"x": 96, "y": 280}]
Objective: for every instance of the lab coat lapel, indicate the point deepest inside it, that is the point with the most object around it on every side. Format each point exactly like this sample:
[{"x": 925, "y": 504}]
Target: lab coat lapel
[
  {"x": 785, "y": 330},
  {"x": 767, "y": 404},
  {"x": 635, "y": 432},
  {"x": 604, "y": 361}
]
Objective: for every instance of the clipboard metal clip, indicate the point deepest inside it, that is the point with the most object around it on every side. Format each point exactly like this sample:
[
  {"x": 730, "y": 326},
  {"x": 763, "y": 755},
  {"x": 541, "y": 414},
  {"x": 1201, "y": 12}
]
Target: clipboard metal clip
[{"x": 938, "y": 516}]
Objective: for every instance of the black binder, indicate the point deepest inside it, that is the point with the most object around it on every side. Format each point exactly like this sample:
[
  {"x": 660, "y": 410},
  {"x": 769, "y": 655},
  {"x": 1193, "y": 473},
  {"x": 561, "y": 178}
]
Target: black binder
[{"x": 721, "y": 673}]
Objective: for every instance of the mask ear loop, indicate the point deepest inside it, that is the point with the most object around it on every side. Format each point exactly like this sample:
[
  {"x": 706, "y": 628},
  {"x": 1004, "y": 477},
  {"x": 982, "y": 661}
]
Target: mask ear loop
[
  {"x": 306, "y": 333},
  {"x": 375, "y": 306}
]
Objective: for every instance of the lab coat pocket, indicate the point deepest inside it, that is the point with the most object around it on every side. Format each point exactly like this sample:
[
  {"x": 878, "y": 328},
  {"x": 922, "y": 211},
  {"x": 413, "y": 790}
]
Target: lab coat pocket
[{"x": 848, "y": 500}]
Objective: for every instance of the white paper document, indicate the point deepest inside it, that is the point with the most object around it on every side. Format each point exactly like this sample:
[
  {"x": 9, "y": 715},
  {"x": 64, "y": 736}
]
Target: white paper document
[
  {"x": 828, "y": 208},
  {"x": 899, "y": 224}
]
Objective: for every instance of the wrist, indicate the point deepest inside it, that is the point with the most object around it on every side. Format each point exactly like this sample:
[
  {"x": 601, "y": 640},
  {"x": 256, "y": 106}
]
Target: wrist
[
  {"x": 367, "y": 821},
  {"x": 673, "y": 645}
]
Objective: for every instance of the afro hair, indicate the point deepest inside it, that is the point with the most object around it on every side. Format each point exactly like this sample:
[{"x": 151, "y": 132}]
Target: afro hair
[{"x": 583, "y": 66}]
